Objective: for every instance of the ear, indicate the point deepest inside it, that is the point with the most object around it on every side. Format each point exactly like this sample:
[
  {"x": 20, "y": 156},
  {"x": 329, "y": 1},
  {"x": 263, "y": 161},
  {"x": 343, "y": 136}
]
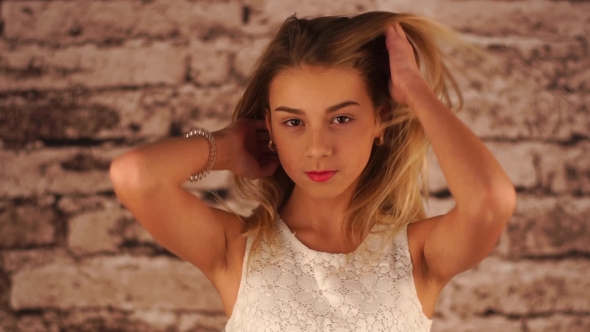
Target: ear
[{"x": 382, "y": 116}]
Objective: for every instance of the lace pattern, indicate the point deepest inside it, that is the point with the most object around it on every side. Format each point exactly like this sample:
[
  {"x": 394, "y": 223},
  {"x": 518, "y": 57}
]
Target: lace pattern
[{"x": 306, "y": 290}]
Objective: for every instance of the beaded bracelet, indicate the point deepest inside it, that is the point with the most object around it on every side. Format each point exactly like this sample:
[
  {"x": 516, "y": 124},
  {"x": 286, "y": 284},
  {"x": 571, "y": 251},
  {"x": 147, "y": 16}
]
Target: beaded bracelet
[{"x": 212, "y": 152}]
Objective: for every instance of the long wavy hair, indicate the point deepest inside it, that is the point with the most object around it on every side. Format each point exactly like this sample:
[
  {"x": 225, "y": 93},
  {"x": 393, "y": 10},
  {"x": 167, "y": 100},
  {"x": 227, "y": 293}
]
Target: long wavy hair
[{"x": 389, "y": 188}]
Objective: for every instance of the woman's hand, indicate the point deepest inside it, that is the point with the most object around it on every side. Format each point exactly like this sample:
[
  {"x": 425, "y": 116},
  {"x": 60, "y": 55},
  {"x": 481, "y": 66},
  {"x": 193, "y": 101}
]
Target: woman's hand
[
  {"x": 402, "y": 63},
  {"x": 249, "y": 155}
]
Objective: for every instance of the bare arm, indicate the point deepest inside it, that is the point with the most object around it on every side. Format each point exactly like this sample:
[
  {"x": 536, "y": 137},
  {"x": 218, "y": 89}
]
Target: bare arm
[
  {"x": 484, "y": 195},
  {"x": 148, "y": 179},
  {"x": 148, "y": 182},
  {"x": 174, "y": 159}
]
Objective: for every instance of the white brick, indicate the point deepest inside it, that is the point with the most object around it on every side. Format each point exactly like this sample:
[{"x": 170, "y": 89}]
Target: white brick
[
  {"x": 135, "y": 63},
  {"x": 119, "y": 282},
  {"x": 75, "y": 22},
  {"x": 518, "y": 288},
  {"x": 94, "y": 232}
]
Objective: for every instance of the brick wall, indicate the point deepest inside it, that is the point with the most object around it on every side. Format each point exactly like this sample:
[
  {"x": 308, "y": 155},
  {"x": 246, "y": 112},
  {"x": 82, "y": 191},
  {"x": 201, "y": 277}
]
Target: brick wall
[{"x": 83, "y": 81}]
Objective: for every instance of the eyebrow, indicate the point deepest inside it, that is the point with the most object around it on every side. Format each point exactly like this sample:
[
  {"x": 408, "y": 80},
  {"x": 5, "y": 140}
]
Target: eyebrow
[{"x": 328, "y": 110}]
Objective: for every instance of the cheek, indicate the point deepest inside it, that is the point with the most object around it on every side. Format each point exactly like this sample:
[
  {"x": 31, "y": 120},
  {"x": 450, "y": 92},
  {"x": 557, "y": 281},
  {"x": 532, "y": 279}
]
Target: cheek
[
  {"x": 289, "y": 157},
  {"x": 357, "y": 153},
  {"x": 356, "y": 149},
  {"x": 359, "y": 140}
]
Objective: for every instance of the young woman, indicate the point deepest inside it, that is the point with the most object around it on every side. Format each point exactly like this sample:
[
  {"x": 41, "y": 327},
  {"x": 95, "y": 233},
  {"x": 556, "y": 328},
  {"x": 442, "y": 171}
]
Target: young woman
[{"x": 330, "y": 138}]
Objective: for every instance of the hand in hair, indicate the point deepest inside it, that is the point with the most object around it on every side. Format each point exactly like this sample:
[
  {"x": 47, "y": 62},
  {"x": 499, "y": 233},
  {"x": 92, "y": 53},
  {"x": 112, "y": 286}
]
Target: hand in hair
[
  {"x": 402, "y": 63},
  {"x": 250, "y": 156}
]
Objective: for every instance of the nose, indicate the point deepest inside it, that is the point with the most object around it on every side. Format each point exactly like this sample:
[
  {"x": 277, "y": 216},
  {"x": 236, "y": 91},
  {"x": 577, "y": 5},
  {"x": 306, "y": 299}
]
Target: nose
[{"x": 318, "y": 144}]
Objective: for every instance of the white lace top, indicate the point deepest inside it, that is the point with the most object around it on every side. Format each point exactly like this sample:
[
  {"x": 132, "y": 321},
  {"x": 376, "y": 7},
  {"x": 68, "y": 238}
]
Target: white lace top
[{"x": 307, "y": 290}]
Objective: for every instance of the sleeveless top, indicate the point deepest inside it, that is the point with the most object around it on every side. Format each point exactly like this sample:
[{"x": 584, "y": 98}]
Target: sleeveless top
[{"x": 306, "y": 290}]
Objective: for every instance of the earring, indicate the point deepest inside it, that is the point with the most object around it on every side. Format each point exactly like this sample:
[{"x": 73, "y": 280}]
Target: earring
[
  {"x": 381, "y": 140},
  {"x": 270, "y": 145}
]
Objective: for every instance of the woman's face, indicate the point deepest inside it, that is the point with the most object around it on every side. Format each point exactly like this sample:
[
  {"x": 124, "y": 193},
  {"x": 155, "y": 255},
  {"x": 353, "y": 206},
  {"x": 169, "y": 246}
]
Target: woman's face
[{"x": 322, "y": 120}]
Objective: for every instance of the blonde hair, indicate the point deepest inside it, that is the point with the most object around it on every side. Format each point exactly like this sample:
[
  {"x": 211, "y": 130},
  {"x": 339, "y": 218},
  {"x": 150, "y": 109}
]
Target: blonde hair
[{"x": 388, "y": 192}]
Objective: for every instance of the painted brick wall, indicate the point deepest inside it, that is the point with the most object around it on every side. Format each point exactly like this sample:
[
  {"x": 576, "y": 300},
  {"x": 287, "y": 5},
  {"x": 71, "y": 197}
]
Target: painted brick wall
[{"x": 83, "y": 81}]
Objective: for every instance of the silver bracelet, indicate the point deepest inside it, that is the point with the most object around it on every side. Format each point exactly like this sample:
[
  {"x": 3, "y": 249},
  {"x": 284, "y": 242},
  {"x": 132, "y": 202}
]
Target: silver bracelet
[{"x": 212, "y": 152}]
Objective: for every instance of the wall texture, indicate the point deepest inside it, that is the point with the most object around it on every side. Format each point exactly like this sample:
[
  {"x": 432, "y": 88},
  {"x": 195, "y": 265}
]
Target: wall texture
[{"x": 83, "y": 81}]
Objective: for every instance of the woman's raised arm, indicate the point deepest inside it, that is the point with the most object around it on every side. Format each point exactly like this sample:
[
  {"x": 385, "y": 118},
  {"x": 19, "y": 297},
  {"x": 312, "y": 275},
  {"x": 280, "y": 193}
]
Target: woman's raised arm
[{"x": 148, "y": 182}]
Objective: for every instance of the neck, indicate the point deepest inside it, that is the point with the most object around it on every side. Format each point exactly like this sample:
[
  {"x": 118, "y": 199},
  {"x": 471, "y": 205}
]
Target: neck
[{"x": 321, "y": 215}]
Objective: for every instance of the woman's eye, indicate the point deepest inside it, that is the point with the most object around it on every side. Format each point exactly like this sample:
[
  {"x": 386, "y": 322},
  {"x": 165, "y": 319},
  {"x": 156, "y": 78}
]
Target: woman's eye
[
  {"x": 290, "y": 122},
  {"x": 343, "y": 119},
  {"x": 296, "y": 122}
]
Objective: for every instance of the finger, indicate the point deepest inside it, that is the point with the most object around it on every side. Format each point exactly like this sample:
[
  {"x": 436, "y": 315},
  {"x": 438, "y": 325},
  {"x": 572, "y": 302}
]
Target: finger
[
  {"x": 401, "y": 32},
  {"x": 399, "y": 29},
  {"x": 390, "y": 30},
  {"x": 392, "y": 36}
]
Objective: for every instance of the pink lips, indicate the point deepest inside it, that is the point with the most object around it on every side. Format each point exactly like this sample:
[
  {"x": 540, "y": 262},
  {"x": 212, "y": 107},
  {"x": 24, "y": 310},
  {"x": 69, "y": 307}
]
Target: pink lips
[{"x": 320, "y": 176}]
